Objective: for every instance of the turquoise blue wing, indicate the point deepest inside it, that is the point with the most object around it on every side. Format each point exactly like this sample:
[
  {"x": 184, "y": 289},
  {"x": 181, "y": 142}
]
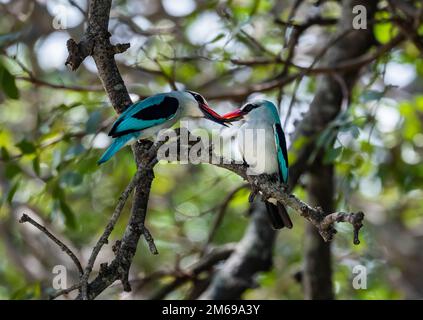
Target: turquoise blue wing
[
  {"x": 145, "y": 114},
  {"x": 282, "y": 152}
]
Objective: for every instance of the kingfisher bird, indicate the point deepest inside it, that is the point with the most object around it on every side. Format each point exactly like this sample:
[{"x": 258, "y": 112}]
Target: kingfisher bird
[
  {"x": 144, "y": 119},
  {"x": 267, "y": 156}
]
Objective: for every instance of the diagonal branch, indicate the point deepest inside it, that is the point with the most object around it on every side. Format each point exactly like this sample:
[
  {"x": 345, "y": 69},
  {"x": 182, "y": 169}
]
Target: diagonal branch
[
  {"x": 108, "y": 230},
  {"x": 65, "y": 248},
  {"x": 324, "y": 222}
]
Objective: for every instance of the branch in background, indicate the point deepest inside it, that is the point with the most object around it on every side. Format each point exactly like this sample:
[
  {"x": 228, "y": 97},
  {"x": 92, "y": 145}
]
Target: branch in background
[
  {"x": 39, "y": 82},
  {"x": 31, "y": 77},
  {"x": 145, "y": 32},
  {"x": 64, "y": 291},
  {"x": 252, "y": 254},
  {"x": 329, "y": 96},
  {"x": 340, "y": 66},
  {"x": 408, "y": 26},
  {"x": 207, "y": 262},
  {"x": 332, "y": 96},
  {"x": 220, "y": 214},
  {"x": 317, "y": 272},
  {"x": 77, "y": 6},
  {"x": 65, "y": 248}
]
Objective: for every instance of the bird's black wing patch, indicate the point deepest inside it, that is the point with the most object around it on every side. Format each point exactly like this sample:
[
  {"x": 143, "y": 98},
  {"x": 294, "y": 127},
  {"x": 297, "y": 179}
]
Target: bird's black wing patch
[
  {"x": 164, "y": 109},
  {"x": 113, "y": 131},
  {"x": 282, "y": 144}
]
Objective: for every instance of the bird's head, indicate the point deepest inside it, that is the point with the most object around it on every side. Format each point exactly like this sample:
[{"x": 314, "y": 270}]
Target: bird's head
[
  {"x": 240, "y": 113},
  {"x": 258, "y": 108},
  {"x": 206, "y": 111}
]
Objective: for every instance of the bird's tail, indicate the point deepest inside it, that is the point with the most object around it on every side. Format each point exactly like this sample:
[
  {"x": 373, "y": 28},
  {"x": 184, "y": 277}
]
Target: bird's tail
[
  {"x": 117, "y": 144},
  {"x": 278, "y": 216}
]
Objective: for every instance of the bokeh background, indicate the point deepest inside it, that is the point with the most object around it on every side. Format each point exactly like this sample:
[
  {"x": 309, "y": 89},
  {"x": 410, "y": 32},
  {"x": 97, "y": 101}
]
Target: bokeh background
[{"x": 54, "y": 124}]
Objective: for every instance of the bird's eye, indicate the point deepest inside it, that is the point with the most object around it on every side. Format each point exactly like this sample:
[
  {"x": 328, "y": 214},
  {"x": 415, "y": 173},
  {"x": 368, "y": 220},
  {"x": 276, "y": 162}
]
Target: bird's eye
[
  {"x": 248, "y": 107},
  {"x": 199, "y": 98}
]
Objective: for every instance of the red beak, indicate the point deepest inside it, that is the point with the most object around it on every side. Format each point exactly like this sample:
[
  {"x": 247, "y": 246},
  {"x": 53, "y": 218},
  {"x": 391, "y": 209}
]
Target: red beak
[
  {"x": 234, "y": 115},
  {"x": 212, "y": 115}
]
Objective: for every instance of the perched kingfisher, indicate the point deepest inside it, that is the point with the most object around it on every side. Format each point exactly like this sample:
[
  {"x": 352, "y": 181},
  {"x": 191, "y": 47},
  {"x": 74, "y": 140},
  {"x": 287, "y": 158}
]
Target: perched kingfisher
[
  {"x": 146, "y": 118},
  {"x": 261, "y": 142}
]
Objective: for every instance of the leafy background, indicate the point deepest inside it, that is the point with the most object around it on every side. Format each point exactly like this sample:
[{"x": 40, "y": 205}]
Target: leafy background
[{"x": 53, "y": 128}]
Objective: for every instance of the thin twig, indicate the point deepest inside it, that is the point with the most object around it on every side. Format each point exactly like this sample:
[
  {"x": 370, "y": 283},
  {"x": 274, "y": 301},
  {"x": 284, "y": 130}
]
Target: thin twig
[
  {"x": 43, "y": 83},
  {"x": 64, "y": 291},
  {"x": 207, "y": 262},
  {"x": 65, "y": 248}
]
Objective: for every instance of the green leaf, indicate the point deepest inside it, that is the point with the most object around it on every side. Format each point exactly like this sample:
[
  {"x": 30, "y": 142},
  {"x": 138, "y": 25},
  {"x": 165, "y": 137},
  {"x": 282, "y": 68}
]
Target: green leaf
[
  {"x": 69, "y": 215},
  {"x": 355, "y": 131},
  {"x": 71, "y": 179},
  {"x": 27, "y": 292},
  {"x": 217, "y": 38},
  {"x": 4, "y": 154},
  {"x": 36, "y": 165},
  {"x": 26, "y": 147},
  {"x": 74, "y": 151},
  {"x": 56, "y": 191},
  {"x": 93, "y": 122},
  {"x": 7, "y": 83},
  {"x": 12, "y": 170},
  {"x": 384, "y": 31},
  {"x": 59, "y": 195},
  {"x": 12, "y": 191},
  {"x": 332, "y": 154}
]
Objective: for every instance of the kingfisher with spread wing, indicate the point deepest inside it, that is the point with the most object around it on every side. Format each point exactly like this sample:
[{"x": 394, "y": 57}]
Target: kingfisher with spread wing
[
  {"x": 266, "y": 156},
  {"x": 146, "y": 118}
]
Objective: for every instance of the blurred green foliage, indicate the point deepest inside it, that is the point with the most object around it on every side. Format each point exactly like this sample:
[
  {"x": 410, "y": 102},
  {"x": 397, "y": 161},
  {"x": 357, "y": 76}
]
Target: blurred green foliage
[{"x": 50, "y": 140}]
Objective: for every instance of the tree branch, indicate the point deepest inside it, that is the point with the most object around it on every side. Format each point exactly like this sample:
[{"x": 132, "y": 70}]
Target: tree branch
[
  {"x": 207, "y": 262},
  {"x": 322, "y": 221},
  {"x": 65, "y": 248},
  {"x": 270, "y": 189},
  {"x": 96, "y": 42}
]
